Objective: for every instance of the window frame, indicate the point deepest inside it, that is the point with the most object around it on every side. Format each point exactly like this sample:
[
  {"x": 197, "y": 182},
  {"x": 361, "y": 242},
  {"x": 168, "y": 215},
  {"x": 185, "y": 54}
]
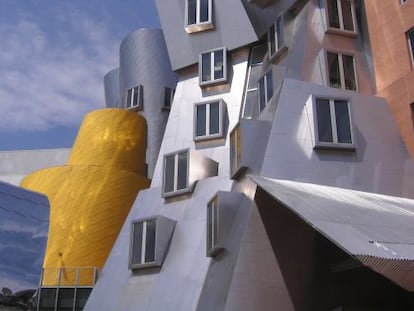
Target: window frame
[
  {"x": 342, "y": 81},
  {"x": 212, "y": 231},
  {"x": 176, "y": 191},
  {"x": 208, "y": 135},
  {"x": 198, "y": 25},
  {"x": 212, "y": 81},
  {"x": 265, "y": 78},
  {"x": 335, "y": 144},
  {"x": 341, "y": 29},
  {"x": 168, "y": 98},
  {"x": 142, "y": 264},
  {"x": 131, "y": 98},
  {"x": 276, "y": 32}
]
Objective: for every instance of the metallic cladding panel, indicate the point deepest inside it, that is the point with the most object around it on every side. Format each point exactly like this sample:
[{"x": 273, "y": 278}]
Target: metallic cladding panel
[
  {"x": 111, "y": 88},
  {"x": 144, "y": 61},
  {"x": 24, "y": 219},
  {"x": 376, "y": 229},
  {"x": 92, "y": 195},
  {"x": 184, "y": 48}
]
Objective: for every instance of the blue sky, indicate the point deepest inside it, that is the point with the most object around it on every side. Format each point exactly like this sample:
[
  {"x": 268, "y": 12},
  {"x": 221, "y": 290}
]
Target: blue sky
[{"x": 53, "y": 56}]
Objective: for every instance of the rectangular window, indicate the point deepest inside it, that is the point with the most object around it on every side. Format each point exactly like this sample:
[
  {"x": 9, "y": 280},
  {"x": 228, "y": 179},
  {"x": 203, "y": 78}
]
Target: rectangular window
[
  {"x": 333, "y": 123},
  {"x": 410, "y": 36},
  {"x": 265, "y": 86},
  {"x": 143, "y": 243},
  {"x": 275, "y": 37},
  {"x": 341, "y": 70},
  {"x": 341, "y": 15},
  {"x": 208, "y": 120},
  {"x": 213, "y": 67},
  {"x": 168, "y": 98},
  {"x": 175, "y": 173},
  {"x": 235, "y": 152},
  {"x": 212, "y": 227},
  {"x": 134, "y": 98},
  {"x": 198, "y": 15}
]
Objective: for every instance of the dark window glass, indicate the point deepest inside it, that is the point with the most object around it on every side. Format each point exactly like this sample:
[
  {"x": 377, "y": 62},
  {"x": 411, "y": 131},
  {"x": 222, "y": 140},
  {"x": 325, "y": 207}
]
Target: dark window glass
[
  {"x": 82, "y": 295},
  {"x": 272, "y": 42},
  {"x": 47, "y": 299},
  {"x": 255, "y": 72},
  {"x": 182, "y": 170},
  {"x": 212, "y": 224},
  {"x": 201, "y": 120},
  {"x": 343, "y": 126},
  {"x": 262, "y": 94},
  {"x": 334, "y": 73},
  {"x": 169, "y": 173},
  {"x": 218, "y": 65},
  {"x": 347, "y": 15},
  {"x": 129, "y": 98},
  {"x": 333, "y": 13},
  {"x": 150, "y": 241},
  {"x": 135, "y": 101},
  {"x": 206, "y": 67},
  {"x": 168, "y": 96},
  {"x": 258, "y": 52},
  {"x": 279, "y": 33},
  {"x": 192, "y": 12},
  {"x": 235, "y": 150},
  {"x": 349, "y": 73},
  {"x": 214, "y": 118},
  {"x": 66, "y": 299},
  {"x": 137, "y": 243},
  {"x": 323, "y": 114},
  {"x": 411, "y": 41},
  {"x": 269, "y": 85},
  {"x": 204, "y": 11},
  {"x": 250, "y": 104}
]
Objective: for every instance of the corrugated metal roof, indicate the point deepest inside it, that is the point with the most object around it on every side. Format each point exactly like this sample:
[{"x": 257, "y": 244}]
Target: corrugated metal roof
[{"x": 376, "y": 229}]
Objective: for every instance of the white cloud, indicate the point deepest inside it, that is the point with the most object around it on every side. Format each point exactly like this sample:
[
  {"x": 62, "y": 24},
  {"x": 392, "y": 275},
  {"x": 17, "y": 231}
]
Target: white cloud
[{"x": 53, "y": 77}]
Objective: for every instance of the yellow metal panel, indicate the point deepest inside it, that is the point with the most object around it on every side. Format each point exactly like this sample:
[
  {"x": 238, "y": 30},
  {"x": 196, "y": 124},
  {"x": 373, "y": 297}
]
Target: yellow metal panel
[{"x": 91, "y": 197}]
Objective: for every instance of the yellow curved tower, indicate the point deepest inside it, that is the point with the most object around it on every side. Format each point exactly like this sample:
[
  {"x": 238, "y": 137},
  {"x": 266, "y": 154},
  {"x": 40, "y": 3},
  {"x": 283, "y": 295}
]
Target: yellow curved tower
[{"x": 91, "y": 196}]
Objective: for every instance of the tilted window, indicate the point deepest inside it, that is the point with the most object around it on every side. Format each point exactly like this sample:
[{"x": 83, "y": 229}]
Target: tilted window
[
  {"x": 199, "y": 15},
  {"x": 213, "y": 67},
  {"x": 265, "y": 86},
  {"x": 213, "y": 228},
  {"x": 168, "y": 98},
  {"x": 134, "y": 98},
  {"x": 275, "y": 38},
  {"x": 333, "y": 124},
  {"x": 235, "y": 152},
  {"x": 149, "y": 241},
  {"x": 176, "y": 173},
  {"x": 410, "y": 36},
  {"x": 209, "y": 120},
  {"x": 341, "y": 70},
  {"x": 341, "y": 15}
]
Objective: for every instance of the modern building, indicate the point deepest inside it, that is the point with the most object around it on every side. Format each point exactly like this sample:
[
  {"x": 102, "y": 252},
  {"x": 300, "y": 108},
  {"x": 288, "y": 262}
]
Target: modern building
[{"x": 281, "y": 170}]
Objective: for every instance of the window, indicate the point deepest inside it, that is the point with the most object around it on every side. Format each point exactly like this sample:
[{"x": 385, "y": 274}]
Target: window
[
  {"x": 142, "y": 243},
  {"x": 333, "y": 124},
  {"x": 176, "y": 173},
  {"x": 410, "y": 36},
  {"x": 168, "y": 98},
  {"x": 275, "y": 37},
  {"x": 198, "y": 15},
  {"x": 341, "y": 15},
  {"x": 403, "y": 1},
  {"x": 235, "y": 152},
  {"x": 134, "y": 98},
  {"x": 209, "y": 120},
  {"x": 213, "y": 67},
  {"x": 213, "y": 228},
  {"x": 341, "y": 69},
  {"x": 265, "y": 86}
]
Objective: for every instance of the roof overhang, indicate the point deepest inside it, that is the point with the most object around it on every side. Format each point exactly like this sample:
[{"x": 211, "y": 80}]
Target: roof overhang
[{"x": 377, "y": 230}]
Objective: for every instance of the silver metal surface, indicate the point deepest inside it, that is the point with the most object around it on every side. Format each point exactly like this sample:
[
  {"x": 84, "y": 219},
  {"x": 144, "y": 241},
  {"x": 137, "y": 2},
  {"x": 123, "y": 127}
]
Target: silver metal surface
[
  {"x": 24, "y": 222},
  {"x": 376, "y": 229},
  {"x": 111, "y": 88}
]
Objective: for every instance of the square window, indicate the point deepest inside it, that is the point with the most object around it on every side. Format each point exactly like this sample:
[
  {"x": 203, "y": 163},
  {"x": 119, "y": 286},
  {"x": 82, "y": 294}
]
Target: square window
[
  {"x": 168, "y": 98},
  {"x": 341, "y": 15},
  {"x": 209, "y": 120},
  {"x": 341, "y": 71},
  {"x": 213, "y": 228},
  {"x": 213, "y": 67},
  {"x": 410, "y": 37},
  {"x": 275, "y": 38},
  {"x": 199, "y": 15},
  {"x": 134, "y": 98},
  {"x": 265, "y": 87},
  {"x": 176, "y": 173},
  {"x": 143, "y": 243},
  {"x": 333, "y": 124}
]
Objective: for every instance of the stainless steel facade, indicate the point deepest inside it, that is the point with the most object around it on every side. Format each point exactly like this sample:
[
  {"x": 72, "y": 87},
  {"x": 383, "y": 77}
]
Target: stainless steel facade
[{"x": 111, "y": 88}]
